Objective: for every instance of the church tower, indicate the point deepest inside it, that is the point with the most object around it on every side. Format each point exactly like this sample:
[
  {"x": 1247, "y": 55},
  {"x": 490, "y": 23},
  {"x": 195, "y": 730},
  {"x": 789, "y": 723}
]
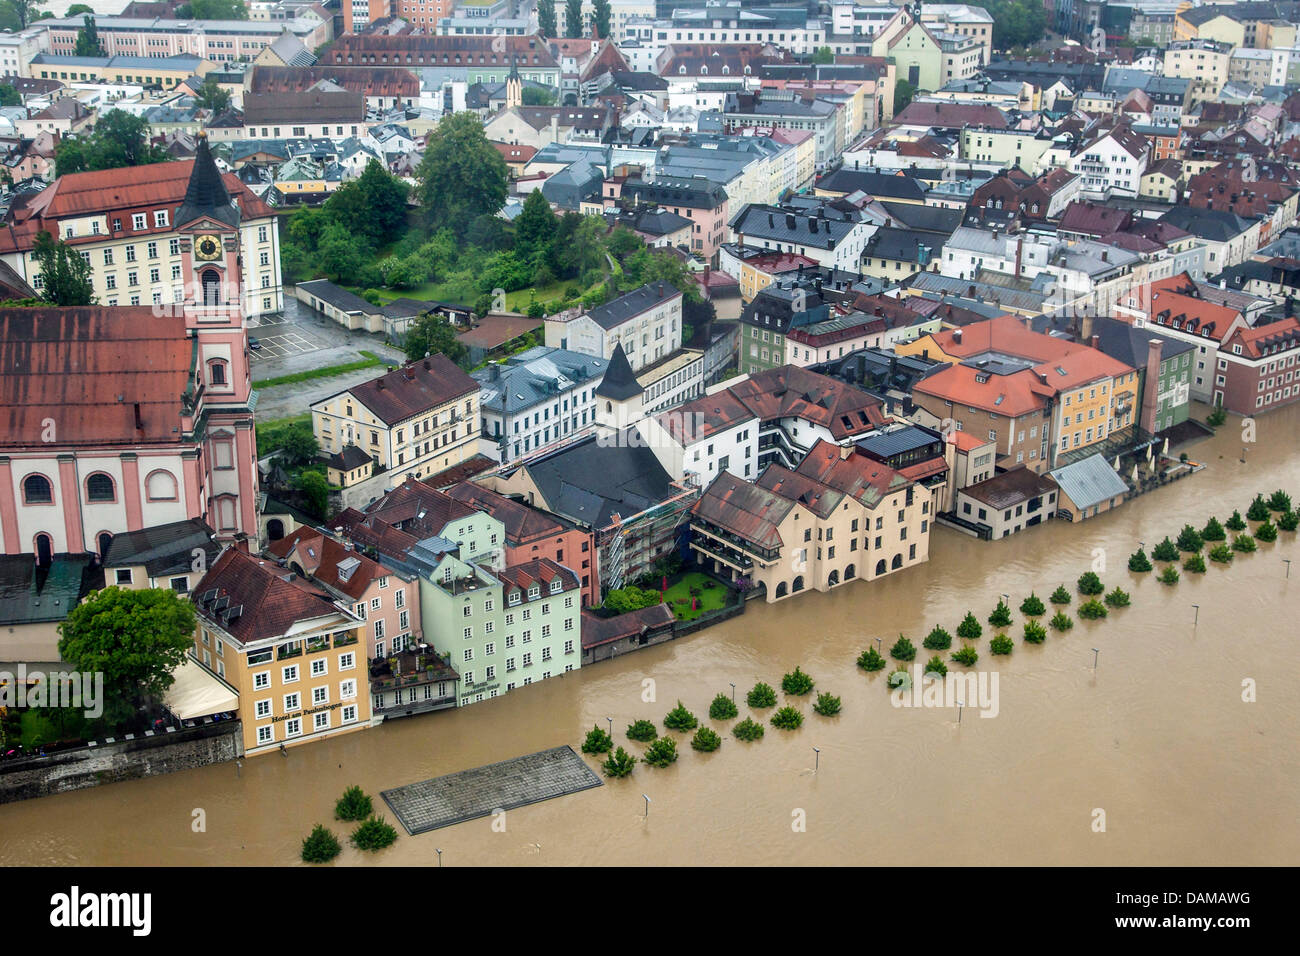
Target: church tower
[
  {"x": 208, "y": 223},
  {"x": 619, "y": 397},
  {"x": 514, "y": 87}
]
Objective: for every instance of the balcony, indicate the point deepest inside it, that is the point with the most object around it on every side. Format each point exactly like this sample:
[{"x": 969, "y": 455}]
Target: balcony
[
  {"x": 722, "y": 553},
  {"x": 724, "y": 541},
  {"x": 345, "y": 638},
  {"x": 286, "y": 651},
  {"x": 317, "y": 644}
]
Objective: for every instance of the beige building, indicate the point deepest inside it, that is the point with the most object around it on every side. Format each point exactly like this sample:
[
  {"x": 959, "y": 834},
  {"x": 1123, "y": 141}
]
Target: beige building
[
  {"x": 1204, "y": 62},
  {"x": 839, "y": 516},
  {"x": 419, "y": 419}
]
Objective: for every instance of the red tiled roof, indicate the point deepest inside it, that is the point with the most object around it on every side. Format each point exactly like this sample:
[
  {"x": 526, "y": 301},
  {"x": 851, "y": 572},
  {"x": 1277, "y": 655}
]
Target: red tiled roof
[
  {"x": 272, "y": 600},
  {"x": 414, "y": 389},
  {"x": 793, "y": 392},
  {"x": 88, "y": 370},
  {"x": 751, "y": 513},
  {"x": 604, "y": 630},
  {"x": 705, "y": 416},
  {"x": 539, "y": 571},
  {"x": 1254, "y": 342},
  {"x": 862, "y": 478},
  {"x": 496, "y": 329},
  {"x": 418, "y": 508},
  {"x": 951, "y": 115},
  {"x": 1094, "y": 219},
  {"x": 522, "y": 523}
]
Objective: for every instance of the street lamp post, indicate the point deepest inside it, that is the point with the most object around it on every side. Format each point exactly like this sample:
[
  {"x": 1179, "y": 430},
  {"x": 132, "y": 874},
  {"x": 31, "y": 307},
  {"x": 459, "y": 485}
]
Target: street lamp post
[
  {"x": 439, "y": 852},
  {"x": 817, "y": 760},
  {"x": 1095, "y": 652},
  {"x": 611, "y": 727},
  {"x": 733, "y": 691},
  {"x": 1287, "y": 562},
  {"x": 1197, "y": 618},
  {"x": 647, "y": 805}
]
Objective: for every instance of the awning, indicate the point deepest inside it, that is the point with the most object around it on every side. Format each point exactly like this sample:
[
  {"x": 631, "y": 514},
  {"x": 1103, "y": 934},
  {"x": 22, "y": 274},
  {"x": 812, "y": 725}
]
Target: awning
[{"x": 196, "y": 692}]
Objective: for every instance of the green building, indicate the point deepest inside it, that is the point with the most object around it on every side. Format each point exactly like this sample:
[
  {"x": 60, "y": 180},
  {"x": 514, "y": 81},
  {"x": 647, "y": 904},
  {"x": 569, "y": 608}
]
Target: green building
[{"x": 1146, "y": 350}]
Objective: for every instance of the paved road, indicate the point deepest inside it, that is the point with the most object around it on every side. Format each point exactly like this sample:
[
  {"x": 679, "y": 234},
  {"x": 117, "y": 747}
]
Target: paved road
[{"x": 305, "y": 340}]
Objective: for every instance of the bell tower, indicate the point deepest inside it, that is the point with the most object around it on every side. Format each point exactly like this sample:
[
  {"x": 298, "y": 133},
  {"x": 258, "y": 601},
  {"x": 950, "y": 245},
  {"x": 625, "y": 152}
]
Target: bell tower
[
  {"x": 208, "y": 223},
  {"x": 514, "y": 87}
]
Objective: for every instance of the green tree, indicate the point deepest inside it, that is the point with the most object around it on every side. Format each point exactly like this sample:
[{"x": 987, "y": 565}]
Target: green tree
[
  {"x": 966, "y": 656},
  {"x": 1235, "y": 522},
  {"x": 1267, "y": 531},
  {"x": 1061, "y": 621},
  {"x": 546, "y": 18},
  {"x": 25, "y": 11},
  {"x": 1001, "y": 615},
  {"x": 462, "y": 176},
  {"x": 969, "y": 628},
  {"x": 1288, "y": 520},
  {"x": 65, "y": 276},
  {"x": 630, "y": 598},
  {"x": 78, "y": 8},
  {"x": 1139, "y": 562},
  {"x": 9, "y": 96},
  {"x": 213, "y": 10},
  {"x": 641, "y": 731},
  {"x": 661, "y": 753},
  {"x": 373, "y": 204},
  {"x": 211, "y": 95},
  {"x": 1035, "y": 633},
  {"x": 299, "y": 446},
  {"x": 903, "y": 649},
  {"x": 353, "y": 805},
  {"x": 1001, "y": 645},
  {"x": 1213, "y": 531},
  {"x": 762, "y": 695},
  {"x": 321, "y": 846},
  {"x": 787, "y": 718},
  {"x": 600, "y": 18},
  {"x": 315, "y": 488},
  {"x": 937, "y": 640},
  {"x": 374, "y": 834},
  {"x": 1221, "y": 554},
  {"x": 706, "y": 740},
  {"x": 1016, "y": 23},
  {"x": 1195, "y": 564},
  {"x": 747, "y": 730},
  {"x": 1060, "y": 596},
  {"x": 870, "y": 660},
  {"x": 1032, "y": 606},
  {"x": 823, "y": 55},
  {"x": 1243, "y": 543},
  {"x": 722, "y": 708},
  {"x": 1258, "y": 510},
  {"x": 536, "y": 224},
  {"x": 679, "y": 718},
  {"x": 1166, "y": 550},
  {"x": 936, "y": 666},
  {"x": 903, "y": 93},
  {"x": 539, "y": 96},
  {"x": 619, "y": 764},
  {"x": 136, "y": 639},
  {"x": 828, "y": 705},
  {"x": 1094, "y": 610},
  {"x": 1279, "y": 501},
  {"x": 573, "y": 18},
  {"x": 432, "y": 334},
  {"x": 88, "y": 39},
  {"x": 598, "y": 741},
  {"x": 796, "y": 683},
  {"x": 1089, "y": 584},
  {"x": 117, "y": 141},
  {"x": 1189, "y": 539}
]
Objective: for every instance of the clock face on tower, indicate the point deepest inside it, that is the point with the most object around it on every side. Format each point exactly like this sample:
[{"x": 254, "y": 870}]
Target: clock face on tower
[{"x": 207, "y": 248}]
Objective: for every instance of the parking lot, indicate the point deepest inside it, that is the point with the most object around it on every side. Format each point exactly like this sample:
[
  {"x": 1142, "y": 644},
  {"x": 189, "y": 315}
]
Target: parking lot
[{"x": 283, "y": 340}]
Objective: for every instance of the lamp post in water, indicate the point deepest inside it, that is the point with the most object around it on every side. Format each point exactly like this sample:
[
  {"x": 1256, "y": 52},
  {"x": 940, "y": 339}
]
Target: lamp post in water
[
  {"x": 817, "y": 760},
  {"x": 1095, "y": 652},
  {"x": 439, "y": 852},
  {"x": 1197, "y": 618},
  {"x": 647, "y": 805}
]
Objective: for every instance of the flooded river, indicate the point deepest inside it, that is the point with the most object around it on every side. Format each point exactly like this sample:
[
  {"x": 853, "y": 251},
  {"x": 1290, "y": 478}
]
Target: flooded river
[{"x": 1157, "y": 737}]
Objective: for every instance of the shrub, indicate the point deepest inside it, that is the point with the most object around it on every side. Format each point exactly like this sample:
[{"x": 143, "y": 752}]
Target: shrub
[
  {"x": 1061, "y": 621},
  {"x": 870, "y": 660},
  {"x": 1169, "y": 575},
  {"x": 1221, "y": 554},
  {"x": 937, "y": 640},
  {"x": 1216, "y": 417},
  {"x": 1092, "y": 610},
  {"x": 1235, "y": 522},
  {"x": 353, "y": 805},
  {"x": 761, "y": 696},
  {"x": 899, "y": 678},
  {"x": 967, "y": 656},
  {"x": 969, "y": 628},
  {"x": 375, "y": 834},
  {"x": 1139, "y": 562},
  {"x": 321, "y": 846},
  {"x": 619, "y": 764},
  {"x": 1288, "y": 520},
  {"x": 1166, "y": 550},
  {"x": 1258, "y": 510},
  {"x": 935, "y": 666},
  {"x": 903, "y": 649},
  {"x": 1267, "y": 531},
  {"x": 641, "y": 731},
  {"x": 796, "y": 683},
  {"x": 787, "y": 718},
  {"x": 1189, "y": 539},
  {"x": 1195, "y": 563},
  {"x": 1243, "y": 543},
  {"x": 1090, "y": 584},
  {"x": 1118, "y": 598},
  {"x": 706, "y": 740},
  {"x": 1060, "y": 596},
  {"x": 1001, "y": 615},
  {"x": 828, "y": 705},
  {"x": 1032, "y": 606},
  {"x": 747, "y": 730},
  {"x": 1001, "y": 645},
  {"x": 1035, "y": 633},
  {"x": 598, "y": 741},
  {"x": 1279, "y": 501},
  {"x": 1213, "y": 531},
  {"x": 661, "y": 753},
  {"x": 722, "y": 708},
  {"x": 679, "y": 718}
]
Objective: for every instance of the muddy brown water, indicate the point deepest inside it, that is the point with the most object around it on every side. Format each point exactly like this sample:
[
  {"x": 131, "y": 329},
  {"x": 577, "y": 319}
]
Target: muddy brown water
[{"x": 1158, "y": 736}]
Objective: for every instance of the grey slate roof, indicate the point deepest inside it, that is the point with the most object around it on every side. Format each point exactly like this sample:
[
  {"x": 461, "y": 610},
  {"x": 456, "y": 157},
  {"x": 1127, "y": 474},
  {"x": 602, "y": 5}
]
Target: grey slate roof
[
  {"x": 1128, "y": 344},
  {"x": 530, "y": 377},
  {"x": 163, "y": 549},
  {"x": 32, "y": 595},
  {"x": 337, "y": 296},
  {"x": 590, "y": 481},
  {"x": 649, "y": 296},
  {"x": 619, "y": 382},
  {"x": 1089, "y": 482}
]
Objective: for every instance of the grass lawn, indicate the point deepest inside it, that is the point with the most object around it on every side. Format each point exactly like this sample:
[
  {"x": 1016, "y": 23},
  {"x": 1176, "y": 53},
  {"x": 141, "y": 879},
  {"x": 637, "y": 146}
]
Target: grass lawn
[
  {"x": 370, "y": 361},
  {"x": 267, "y": 431},
  {"x": 710, "y": 599},
  {"x": 516, "y": 301}
]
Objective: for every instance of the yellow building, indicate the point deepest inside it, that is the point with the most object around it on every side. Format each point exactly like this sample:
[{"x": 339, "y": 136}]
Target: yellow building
[
  {"x": 294, "y": 658},
  {"x": 418, "y": 419},
  {"x": 1203, "y": 62}
]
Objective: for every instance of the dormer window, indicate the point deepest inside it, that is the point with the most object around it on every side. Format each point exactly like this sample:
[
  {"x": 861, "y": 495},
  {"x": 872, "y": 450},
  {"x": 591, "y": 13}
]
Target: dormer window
[
  {"x": 534, "y": 592},
  {"x": 513, "y": 599},
  {"x": 556, "y": 586}
]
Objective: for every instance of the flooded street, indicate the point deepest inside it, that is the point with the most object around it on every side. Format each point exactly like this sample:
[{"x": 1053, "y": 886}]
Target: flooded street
[{"x": 1158, "y": 737}]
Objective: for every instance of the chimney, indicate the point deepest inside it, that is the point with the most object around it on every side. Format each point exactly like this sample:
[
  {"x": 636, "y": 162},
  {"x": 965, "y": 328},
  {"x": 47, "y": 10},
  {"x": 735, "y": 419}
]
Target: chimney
[
  {"x": 1096, "y": 341},
  {"x": 1150, "y": 400},
  {"x": 956, "y": 336},
  {"x": 555, "y": 127}
]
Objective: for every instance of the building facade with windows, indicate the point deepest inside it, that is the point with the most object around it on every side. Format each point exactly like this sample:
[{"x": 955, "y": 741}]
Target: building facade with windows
[
  {"x": 293, "y": 657},
  {"x": 646, "y": 322}
]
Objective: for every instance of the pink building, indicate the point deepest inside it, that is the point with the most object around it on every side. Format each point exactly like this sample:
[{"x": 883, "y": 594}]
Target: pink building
[
  {"x": 387, "y": 600},
  {"x": 702, "y": 202},
  {"x": 118, "y": 419}
]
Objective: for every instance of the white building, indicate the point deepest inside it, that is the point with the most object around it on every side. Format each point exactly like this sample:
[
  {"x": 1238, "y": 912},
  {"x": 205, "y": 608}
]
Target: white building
[{"x": 647, "y": 322}]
